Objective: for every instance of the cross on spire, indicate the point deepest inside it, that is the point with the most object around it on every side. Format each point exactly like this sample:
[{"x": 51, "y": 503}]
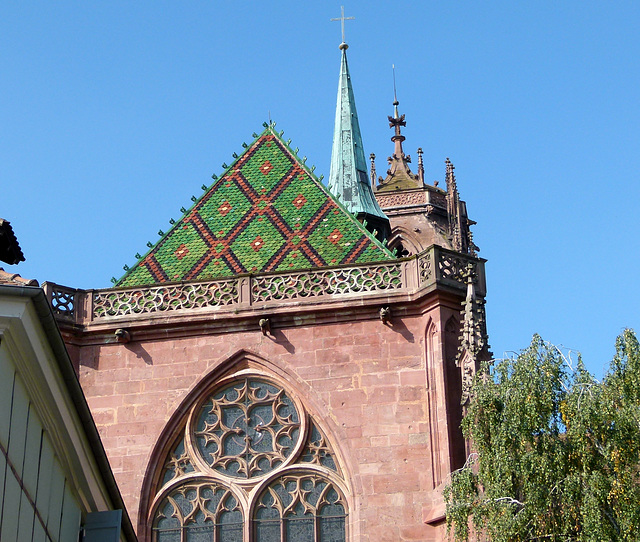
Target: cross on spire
[{"x": 342, "y": 19}]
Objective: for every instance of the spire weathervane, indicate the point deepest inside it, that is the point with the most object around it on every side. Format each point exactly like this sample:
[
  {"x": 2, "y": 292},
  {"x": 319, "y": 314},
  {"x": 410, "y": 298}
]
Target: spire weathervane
[
  {"x": 342, "y": 19},
  {"x": 399, "y": 176}
]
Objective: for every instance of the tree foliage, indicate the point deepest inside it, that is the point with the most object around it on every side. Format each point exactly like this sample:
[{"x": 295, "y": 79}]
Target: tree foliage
[{"x": 556, "y": 452}]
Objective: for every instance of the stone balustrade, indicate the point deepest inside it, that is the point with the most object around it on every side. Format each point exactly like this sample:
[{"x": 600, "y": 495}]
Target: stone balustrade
[{"x": 434, "y": 266}]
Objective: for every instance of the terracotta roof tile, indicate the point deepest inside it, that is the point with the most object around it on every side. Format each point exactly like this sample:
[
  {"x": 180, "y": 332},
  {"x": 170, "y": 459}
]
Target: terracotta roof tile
[{"x": 15, "y": 280}]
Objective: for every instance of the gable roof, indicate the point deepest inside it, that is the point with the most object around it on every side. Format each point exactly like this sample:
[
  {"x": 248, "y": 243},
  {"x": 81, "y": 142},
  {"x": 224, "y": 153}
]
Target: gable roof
[{"x": 267, "y": 212}]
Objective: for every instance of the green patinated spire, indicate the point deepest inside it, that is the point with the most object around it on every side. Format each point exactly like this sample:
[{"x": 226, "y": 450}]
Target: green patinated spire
[{"x": 348, "y": 179}]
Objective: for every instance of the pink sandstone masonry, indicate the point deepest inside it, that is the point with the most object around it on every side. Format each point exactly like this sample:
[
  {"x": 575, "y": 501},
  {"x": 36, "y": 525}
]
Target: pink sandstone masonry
[{"x": 368, "y": 383}]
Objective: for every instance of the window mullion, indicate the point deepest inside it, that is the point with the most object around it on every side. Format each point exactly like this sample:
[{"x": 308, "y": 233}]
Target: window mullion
[{"x": 247, "y": 403}]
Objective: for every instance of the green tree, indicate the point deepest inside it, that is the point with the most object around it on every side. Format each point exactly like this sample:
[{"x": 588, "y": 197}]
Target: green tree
[{"x": 556, "y": 452}]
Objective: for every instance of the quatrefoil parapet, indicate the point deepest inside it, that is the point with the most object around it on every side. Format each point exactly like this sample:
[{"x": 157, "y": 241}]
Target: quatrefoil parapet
[{"x": 247, "y": 428}]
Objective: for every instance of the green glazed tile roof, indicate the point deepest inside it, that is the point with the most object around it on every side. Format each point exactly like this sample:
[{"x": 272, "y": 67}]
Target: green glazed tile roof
[{"x": 267, "y": 212}]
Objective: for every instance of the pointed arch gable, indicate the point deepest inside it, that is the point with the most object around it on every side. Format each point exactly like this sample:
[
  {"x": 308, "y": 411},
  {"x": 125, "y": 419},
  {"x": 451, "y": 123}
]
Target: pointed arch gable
[
  {"x": 401, "y": 238},
  {"x": 213, "y": 499},
  {"x": 308, "y": 453},
  {"x": 315, "y": 477},
  {"x": 300, "y": 469}
]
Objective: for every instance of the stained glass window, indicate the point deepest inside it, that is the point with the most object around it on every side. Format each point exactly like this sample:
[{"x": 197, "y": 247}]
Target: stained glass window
[
  {"x": 177, "y": 463},
  {"x": 300, "y": 507},
  {"x": 196, "y": 512},
  {"x": 247, "y": 429},
  {"x": 238, "y": 433},
  {"x": 317, "y": 450}
]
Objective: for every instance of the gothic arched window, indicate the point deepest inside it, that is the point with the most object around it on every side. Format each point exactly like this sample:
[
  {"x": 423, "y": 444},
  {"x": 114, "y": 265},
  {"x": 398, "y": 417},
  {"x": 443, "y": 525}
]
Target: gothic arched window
[
  {"x": 199, "y": 511},
  {"x": 296, "y": 507},
  {"x": 249, "y": 465}
]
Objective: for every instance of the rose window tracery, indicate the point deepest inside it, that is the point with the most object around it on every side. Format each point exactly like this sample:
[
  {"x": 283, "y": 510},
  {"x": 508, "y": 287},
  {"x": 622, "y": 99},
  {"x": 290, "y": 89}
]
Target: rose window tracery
[
  {"x": 247, "y": 429},
  {"x": 177, "y": 464},
  {"x": 249, "y": 465}
]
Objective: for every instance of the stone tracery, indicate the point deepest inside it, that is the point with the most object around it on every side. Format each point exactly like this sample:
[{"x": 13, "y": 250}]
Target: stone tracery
[{"x": 249, "y": 465}]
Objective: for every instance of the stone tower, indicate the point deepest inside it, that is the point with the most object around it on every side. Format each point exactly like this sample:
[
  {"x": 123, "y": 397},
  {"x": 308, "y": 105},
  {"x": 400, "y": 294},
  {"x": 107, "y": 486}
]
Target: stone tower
[{"x": 420, "y": 214}]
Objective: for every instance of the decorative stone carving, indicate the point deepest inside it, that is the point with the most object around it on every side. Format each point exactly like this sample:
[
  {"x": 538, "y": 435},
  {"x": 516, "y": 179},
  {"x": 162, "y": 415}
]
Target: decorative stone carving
[
  {"x": 63, "y": 302},
  {"x": 473, "y": 340},
  {"x": 165, "y": 298},
  {"x": 453, "y": 267},
  {"x": 424, "y": 268},
  {"x": 317, "y": 450},
  {"x": 329, "y": 282},
  {"x": 401, "y": 199},
  {"x": 247, "y": 429},
  {"x": 85, "y": 306}
]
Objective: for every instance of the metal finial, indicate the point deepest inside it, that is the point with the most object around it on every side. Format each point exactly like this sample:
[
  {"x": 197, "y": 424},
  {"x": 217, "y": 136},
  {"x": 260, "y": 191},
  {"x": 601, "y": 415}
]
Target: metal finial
[
  {"x": 372, "y": 157},
  {"x": 342, "y": 19},
  {"x": 395, "y": 96}
]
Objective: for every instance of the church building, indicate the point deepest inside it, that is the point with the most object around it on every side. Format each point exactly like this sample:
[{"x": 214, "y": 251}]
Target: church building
[{"x": 290, "y": 361}]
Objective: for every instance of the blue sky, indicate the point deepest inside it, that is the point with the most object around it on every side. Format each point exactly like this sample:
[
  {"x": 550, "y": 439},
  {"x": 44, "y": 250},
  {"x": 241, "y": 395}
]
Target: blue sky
[{"x": 114, "y": 113}]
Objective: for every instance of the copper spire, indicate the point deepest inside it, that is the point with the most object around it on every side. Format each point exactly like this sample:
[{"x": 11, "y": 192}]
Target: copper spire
[{"x": 348, "y": 178}]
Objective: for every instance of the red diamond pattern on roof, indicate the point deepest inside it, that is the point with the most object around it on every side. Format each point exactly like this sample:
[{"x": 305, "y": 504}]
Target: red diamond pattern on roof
[
  {"x": 299, "y": 202},
  {"x": 224, "y": 208},
  {"x": 182, "y": 251},
  {"x": 335, "y": 236},
  {"x": 257, "y": 243},
  {"x": 266, "y": 167}
]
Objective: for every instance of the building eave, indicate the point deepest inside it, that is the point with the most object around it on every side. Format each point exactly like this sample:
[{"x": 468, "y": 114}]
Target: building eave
[{"x": 31, "y": 314}]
